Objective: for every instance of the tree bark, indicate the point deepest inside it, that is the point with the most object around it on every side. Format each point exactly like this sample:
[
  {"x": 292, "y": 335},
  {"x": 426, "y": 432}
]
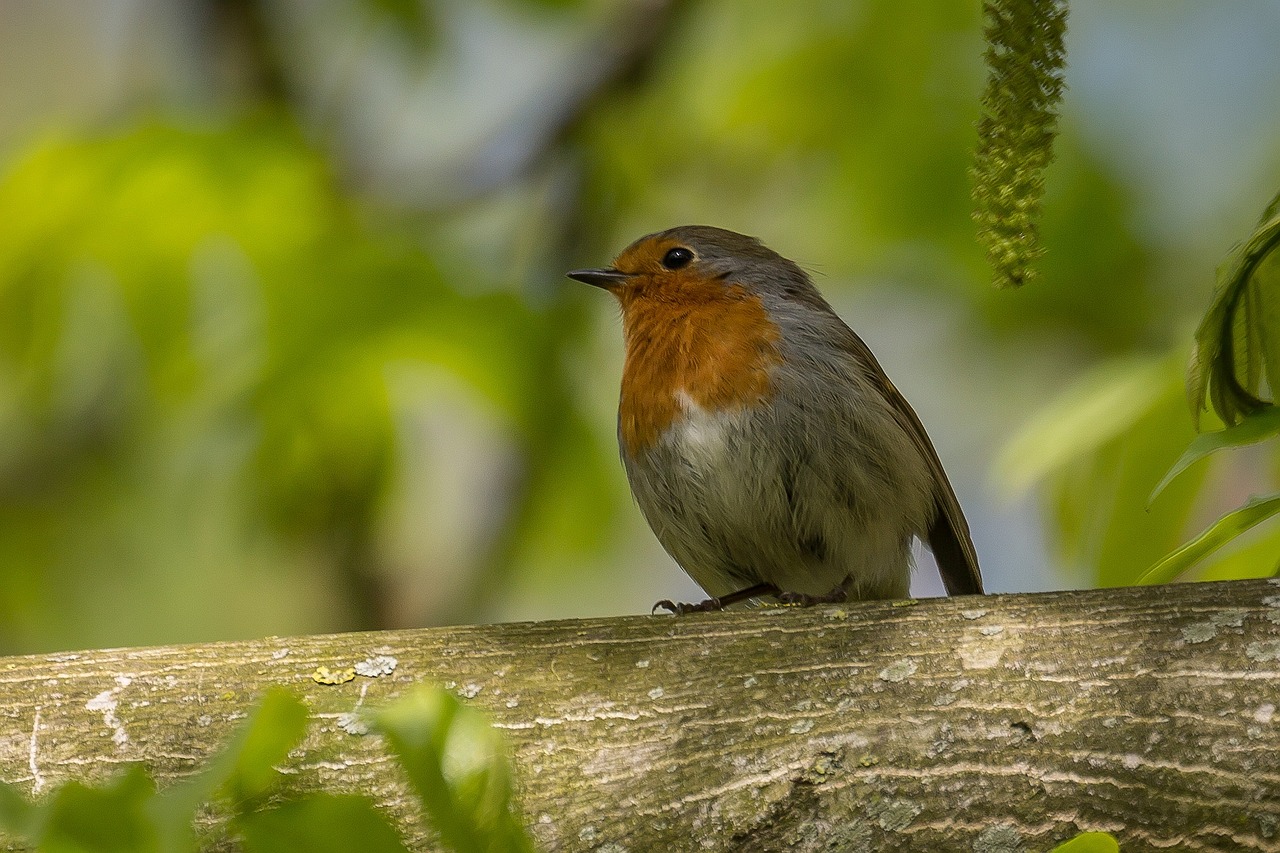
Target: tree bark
[{"x": 991, "y": 724}]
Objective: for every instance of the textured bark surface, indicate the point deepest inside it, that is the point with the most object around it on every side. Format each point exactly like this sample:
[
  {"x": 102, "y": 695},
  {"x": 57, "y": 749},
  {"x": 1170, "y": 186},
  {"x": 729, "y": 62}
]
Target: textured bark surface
[{"x": 996, "y": 724}]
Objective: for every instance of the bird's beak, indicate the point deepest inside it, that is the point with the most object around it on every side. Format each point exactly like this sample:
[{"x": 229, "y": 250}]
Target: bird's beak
[{"x": 607, "y": 278}]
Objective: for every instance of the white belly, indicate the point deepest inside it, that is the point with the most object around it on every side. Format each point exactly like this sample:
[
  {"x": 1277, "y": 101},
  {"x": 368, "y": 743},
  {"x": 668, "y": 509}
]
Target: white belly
[{"x": 735, "y": 507}]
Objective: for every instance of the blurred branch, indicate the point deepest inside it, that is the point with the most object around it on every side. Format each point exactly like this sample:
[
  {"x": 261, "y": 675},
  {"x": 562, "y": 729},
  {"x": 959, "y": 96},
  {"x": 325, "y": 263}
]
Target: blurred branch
[
  {"x": 622, "y": 66},
  {"x": 620, "y": 59},
  {"x": 250, "y": 55},
  {"x": 941, "y": 724}
]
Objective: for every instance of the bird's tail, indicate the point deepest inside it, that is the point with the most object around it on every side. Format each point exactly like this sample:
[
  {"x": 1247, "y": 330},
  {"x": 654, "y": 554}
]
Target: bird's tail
[{"x": 953, "y": 548}]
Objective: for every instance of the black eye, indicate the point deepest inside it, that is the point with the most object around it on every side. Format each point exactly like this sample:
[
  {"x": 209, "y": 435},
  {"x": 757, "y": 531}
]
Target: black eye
[{"x": 676, "y": 258}]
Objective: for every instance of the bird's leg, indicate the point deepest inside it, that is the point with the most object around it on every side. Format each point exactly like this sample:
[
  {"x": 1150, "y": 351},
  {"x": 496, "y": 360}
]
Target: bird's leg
[
  {"x": 836, "y": 596},
  {"x": 713, "y": 604}
]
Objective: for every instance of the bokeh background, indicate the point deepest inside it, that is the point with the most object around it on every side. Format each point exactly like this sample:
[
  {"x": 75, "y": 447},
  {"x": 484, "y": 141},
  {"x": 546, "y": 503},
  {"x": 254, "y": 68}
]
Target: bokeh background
[{"x": 285, "y": 345}]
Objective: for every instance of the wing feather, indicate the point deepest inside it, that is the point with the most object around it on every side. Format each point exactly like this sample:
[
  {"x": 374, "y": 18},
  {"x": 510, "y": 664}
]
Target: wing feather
[{"x": 948, "y": 533}]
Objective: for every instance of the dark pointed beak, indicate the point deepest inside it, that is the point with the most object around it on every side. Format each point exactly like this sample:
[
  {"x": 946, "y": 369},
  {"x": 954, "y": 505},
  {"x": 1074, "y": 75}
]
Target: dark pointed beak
[{"x": 606, "y": 278}]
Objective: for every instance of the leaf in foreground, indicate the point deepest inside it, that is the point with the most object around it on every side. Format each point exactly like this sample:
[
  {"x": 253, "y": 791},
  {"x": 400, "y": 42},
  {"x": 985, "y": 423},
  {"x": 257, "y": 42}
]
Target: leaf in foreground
[
  {"x": 321, "y": 823},
  {"x": 245, "y": 768},
  {"x": 457, "y": 764},
  {"x": 112, "y": 817},
  {"x": 1090, "y": 842}
]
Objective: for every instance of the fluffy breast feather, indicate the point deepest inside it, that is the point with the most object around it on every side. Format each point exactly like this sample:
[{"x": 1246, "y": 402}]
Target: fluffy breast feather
[{"x": 685, "y": 357}]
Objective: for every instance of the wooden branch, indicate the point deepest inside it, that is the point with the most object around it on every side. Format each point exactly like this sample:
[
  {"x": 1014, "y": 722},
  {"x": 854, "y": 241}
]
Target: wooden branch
[{"x": 988, "y": 724}]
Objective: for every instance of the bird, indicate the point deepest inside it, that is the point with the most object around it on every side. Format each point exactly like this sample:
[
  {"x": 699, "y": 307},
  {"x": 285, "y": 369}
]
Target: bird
[{"x": 763, "y": 442}]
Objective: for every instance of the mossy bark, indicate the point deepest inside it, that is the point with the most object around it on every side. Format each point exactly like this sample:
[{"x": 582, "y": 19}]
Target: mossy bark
[{"x": 999, "y": 723}]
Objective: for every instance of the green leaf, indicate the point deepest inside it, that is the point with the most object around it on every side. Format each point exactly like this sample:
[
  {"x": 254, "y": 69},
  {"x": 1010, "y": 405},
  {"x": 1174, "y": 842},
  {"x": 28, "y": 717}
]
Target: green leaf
[
  {"x": 1100, "y": 446},
  {"x": 1266, "y": 307},
  {"x": 1025, "y": 57},
  {"x": 245, "y": 768},
  {"x": 1238, "y": 334},
  {"x": 1094, "y": 410},
  {"x": 18, "y": 815},
  {"x": 275, "y": 728},
  {"x": 1251, "y": 429},
  {"x": 1090, "y": 842},
  {"x": 1123, "y": 535},
  {"x": 458, "y": 766},
  {"x": 1218, "y": 534},
  {"x": 108, "y": 819},
  {"x": 321, "y": 823},
  {"x": 126, "y": 814},
  {"x": 406, "y": 13},
  {"x": 173, "y": 810},
  {"x": 1258, "y": 559}
]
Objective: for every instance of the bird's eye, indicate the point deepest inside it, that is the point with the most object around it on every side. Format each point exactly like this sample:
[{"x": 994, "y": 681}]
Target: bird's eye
[{"x": 676, "y": 258}]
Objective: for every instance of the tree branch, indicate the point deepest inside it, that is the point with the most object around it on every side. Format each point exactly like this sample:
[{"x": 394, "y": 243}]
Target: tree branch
[{"x": 996, "y": 723}]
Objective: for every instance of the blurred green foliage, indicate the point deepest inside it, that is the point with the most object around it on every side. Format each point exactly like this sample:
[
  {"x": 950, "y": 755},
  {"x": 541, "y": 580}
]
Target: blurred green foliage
[
  {"x": 260, "y": 374},
  {"x": 1104, "y": 443},
  {"x": 188, "y": 308},
  {"x": 456, "y": 762},
  {"x": 1237, "y": 344}
]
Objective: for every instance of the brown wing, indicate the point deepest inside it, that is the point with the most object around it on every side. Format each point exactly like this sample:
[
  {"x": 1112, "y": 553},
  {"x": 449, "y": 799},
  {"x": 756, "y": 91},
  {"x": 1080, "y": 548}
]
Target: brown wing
[{"x": 948, "y": 533}]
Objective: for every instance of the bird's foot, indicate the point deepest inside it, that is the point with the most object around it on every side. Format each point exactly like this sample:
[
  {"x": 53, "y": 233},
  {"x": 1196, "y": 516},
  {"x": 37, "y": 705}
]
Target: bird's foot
[
  {"x": 711, "y": 605},
  {"x": 801, "y": 599}
]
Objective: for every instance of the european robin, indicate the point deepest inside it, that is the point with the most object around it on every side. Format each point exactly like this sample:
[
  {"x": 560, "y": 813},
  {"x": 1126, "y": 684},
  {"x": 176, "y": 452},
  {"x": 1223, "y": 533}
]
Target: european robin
[{"x": 762, "y": 440}]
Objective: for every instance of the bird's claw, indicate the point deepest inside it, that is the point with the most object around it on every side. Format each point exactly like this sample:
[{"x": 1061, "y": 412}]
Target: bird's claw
[{"x": 679, "y": 608}]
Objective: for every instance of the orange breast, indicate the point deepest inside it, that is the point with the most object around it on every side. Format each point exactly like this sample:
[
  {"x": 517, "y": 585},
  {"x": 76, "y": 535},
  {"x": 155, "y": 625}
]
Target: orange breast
[{"x": 715, "y": 354}]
